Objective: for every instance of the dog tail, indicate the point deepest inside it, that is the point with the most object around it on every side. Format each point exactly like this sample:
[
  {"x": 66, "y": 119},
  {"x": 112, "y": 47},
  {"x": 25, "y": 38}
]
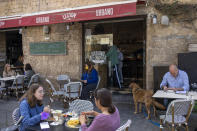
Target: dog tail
[{"x": 157, "y": 104}]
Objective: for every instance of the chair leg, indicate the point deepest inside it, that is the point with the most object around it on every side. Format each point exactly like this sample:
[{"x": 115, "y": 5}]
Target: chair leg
[
  {"x": 161, "y": 124},
  {"x": 17, "y": 94},
  {"x": 187, "y": 128},
  {"x": 173, "y": 128}
]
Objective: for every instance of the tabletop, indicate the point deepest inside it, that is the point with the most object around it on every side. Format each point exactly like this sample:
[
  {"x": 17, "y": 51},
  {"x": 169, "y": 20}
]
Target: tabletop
[
  {"x": 8, "y": 78},
  {"x": 61, "y": 127},
  {"x": 174, "y": 95}
]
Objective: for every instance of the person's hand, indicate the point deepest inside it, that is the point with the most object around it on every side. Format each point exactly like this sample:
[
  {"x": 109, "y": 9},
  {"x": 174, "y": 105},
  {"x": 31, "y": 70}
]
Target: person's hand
[
  {"x": 165, "y": 88},
  {"x": 82, "y": 119},
  {"x": 93, "y": 113},
  {"x": 85, "y": 81},
  {"x": 47, "y": 109}
]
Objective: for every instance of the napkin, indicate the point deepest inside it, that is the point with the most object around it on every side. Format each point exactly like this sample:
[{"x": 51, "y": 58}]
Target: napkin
[{"x": 44, "y": 125}]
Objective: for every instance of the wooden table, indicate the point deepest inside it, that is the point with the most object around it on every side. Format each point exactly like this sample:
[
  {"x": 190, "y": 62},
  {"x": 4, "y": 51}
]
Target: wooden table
[{"x": 173, "y": 95}]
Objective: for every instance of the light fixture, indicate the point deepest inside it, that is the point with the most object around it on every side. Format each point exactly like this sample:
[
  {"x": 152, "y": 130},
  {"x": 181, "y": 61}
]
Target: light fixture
[
  {"x": 67, "y": 27},
  {"x": 154, "y": 17},
  {"x": 46, "y": 29},
  {"x": 164, "y": 20},
  {"x": 20, "y": 31}
]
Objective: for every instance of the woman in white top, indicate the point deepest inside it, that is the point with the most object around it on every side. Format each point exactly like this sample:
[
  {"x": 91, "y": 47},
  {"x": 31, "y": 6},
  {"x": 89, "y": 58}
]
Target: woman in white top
[{"x": 8, "y": 71}]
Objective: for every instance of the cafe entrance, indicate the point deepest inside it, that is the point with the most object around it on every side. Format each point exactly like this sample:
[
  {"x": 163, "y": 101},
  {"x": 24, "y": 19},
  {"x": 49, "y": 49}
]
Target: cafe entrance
[
  {"x": 129, "y": 35},
  {"x": 13, "y": 46}
]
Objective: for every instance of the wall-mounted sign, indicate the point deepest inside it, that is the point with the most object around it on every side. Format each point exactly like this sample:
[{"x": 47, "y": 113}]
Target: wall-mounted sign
[
  {"x": 48, "y": 48},
  {"x": 98, "y": 57}
]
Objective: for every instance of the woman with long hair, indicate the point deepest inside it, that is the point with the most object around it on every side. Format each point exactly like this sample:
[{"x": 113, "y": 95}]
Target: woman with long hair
[
  {"x": 8, "y": 71},
  {"x": 89, "y": 79},
  {"x": 31, "y": 107},
  {"x": 108, "y": 119}
]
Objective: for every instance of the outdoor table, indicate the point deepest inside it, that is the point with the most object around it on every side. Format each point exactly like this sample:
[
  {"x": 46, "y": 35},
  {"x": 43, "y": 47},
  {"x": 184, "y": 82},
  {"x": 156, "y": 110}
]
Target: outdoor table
[
  {"x": 61, "y": 127},
  {"x": 5, "y": 79},
  {"x": 173, "y": 95},
  {"x": 8, "y": 78}
]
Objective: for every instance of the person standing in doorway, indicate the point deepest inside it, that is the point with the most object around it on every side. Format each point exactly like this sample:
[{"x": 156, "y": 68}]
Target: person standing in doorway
[{"x": 120, "y": 64}]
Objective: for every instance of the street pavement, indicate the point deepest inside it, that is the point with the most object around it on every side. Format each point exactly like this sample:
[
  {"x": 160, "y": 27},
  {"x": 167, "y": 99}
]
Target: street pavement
[{"x": 123, "y": 102}]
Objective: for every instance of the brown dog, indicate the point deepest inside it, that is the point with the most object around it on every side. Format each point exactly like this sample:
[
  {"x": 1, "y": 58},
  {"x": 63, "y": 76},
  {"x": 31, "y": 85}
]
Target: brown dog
[{"x": 144, "y": 96}]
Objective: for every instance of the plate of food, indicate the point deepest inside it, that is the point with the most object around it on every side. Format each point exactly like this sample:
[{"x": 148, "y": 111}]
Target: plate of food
[
  {"x": 73, "y": 123},
  {"x": 50, "y": 119}
]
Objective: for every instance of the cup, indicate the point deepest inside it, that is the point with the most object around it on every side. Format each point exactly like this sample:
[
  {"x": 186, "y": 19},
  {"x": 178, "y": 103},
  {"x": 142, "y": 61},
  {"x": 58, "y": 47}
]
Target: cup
[{"x": 56, "y": 116}]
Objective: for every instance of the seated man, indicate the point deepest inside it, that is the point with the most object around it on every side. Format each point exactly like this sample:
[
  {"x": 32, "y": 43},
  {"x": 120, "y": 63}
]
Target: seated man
[{"x": 176, "y": 80}]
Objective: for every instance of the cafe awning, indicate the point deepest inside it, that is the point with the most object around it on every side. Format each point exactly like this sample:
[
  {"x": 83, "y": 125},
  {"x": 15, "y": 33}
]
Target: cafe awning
[{"x": 92, "y": 12}]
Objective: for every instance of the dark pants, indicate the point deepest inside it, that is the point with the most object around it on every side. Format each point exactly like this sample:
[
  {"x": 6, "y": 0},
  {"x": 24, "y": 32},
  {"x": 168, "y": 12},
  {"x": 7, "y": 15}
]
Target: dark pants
[
  {"x": 167, "y": 102},
  {"x": 86, "y": 89}
]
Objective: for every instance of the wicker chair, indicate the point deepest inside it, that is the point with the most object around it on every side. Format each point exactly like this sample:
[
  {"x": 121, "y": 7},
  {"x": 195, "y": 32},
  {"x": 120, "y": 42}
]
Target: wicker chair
[
  {"x": 177, "y": 114},
  {"x": 2, "y": 89},
  {"x": 63, "y": 79},
  {"x": 54, "y": 91},
  {"x": 72, "y": 91},
  {"x": 79, "y": 106},
  {"x": 17, "y": 85},
  {"x": 125, "y": 127},
  {"x": 34, "y": 79},
  {"x": 97, "y": 86},
  {"x": 15, "y": 115}
]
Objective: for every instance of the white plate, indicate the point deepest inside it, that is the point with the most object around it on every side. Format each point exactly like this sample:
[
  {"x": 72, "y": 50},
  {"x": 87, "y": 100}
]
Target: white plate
[{"x": 54, "y": 123}]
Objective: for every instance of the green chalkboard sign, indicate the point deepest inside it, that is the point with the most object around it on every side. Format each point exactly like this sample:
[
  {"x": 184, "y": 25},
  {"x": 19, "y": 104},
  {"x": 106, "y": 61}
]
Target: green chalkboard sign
[{"x": 48, "y": 48}]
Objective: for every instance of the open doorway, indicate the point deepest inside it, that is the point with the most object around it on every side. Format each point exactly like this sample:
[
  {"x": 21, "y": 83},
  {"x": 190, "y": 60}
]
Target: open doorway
[
  {"x": 129, "y": 35},
  {"x": 13, "y": 46}
]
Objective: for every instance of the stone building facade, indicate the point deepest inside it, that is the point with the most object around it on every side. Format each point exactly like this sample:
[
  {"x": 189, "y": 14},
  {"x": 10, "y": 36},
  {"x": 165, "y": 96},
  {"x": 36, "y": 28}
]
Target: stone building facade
[{"x": 162, "y": 42}]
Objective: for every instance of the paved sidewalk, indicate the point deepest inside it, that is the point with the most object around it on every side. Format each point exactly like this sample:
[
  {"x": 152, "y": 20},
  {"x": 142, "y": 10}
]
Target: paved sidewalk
[{"x": 123, "y": 102}]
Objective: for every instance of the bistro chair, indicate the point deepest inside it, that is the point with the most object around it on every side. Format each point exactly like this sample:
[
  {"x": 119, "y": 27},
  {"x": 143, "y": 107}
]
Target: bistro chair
[
  {"x": 54, "y": 92},
  {"x": 63, "y": 79},
  {"x": 2, "y": 89},
  {"x": 15, "y": 115},
  {"x": 97, "y": 86},
  {"x": 34, "y": 79},
  {"x": 79, "y": 106},
  {"x": 16, "y": 119},
  {"x": 72, "y": 91},
  {"x": 125, "y": 127},
  {"x": 177, "y": 114},
  {"x": 17, "y": 85}
]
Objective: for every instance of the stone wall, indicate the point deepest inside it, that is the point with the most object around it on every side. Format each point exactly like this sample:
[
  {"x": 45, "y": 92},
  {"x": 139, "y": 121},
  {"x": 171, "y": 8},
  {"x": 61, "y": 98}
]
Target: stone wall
[
  {"x": 165, "y": 42},
  {"x": 53, "y": 65},
  {"x": 2, "y": 51}
]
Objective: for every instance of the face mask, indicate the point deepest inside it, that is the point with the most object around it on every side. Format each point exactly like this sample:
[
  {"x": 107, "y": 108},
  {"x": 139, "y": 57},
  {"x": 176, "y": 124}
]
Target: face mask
[{"x": 86, "y": 67}]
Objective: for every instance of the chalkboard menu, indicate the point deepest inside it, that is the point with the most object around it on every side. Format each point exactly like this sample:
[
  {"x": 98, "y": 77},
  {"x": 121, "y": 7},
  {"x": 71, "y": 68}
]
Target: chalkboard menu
[{"x": 48, "y": 48}]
